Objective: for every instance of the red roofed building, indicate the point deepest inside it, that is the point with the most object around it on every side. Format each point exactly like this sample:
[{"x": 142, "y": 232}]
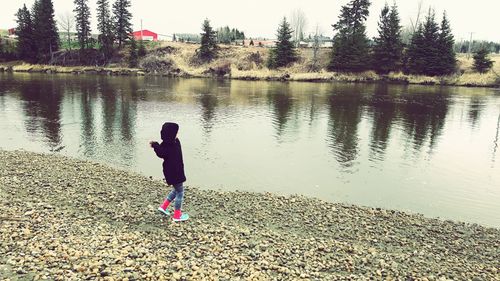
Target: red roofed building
[{"x": 145, "y": 35}]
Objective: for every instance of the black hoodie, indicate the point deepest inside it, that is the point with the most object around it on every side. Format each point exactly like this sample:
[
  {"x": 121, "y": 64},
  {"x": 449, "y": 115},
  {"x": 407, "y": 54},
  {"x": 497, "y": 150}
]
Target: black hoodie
[{"x": 171, "y": 152}]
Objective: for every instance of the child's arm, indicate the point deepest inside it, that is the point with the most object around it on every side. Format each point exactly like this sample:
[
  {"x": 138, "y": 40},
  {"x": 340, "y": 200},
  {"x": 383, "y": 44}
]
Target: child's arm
[{"x": 159, "y": 150}]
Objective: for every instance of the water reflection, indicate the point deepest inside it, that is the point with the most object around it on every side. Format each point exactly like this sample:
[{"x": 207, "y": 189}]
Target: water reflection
[
  {"x": 42, "y": 106},
  {"x": 345, "y": 110},
  {"x": 476, "y": 105},
  {"x": 383, "y": 112},
  {"x": 279, "y": 98},
  {"x": 207, "y": 97},
  {"x": 423, "y": 113},
  {"x": 119, "y": 110},
  {"x": 87, "y": 105}
]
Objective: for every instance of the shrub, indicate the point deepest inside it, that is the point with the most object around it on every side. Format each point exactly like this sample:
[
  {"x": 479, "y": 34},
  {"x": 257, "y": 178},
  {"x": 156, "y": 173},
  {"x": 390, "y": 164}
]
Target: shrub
[
  {"x": 250, "y": 61},
  {"x": 220, "y": 69},
  {"x": 482, "y": 63},
  {"x": 157, "y": 64}
]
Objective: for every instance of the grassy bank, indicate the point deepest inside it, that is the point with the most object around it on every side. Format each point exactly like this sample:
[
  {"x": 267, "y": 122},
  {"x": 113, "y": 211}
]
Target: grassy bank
[
  {"x": 19, "y": 66},
  {"x": 248, "y": 63},
  {"x": 65, "y": 219}
]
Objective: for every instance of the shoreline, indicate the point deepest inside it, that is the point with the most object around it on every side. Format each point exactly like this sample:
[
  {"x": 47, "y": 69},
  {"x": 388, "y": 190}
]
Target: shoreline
[
  {"x": 63, "y": 218},
  {"x": 283, "y": 76}
]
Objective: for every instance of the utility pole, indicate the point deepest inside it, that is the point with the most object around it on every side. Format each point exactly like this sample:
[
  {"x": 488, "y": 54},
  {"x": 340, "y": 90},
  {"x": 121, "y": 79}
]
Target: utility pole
[
  {"x": 142, "y": 38},
  {"x": 470, "y": 44}
]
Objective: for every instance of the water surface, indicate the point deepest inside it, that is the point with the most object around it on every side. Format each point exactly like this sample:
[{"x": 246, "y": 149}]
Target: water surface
[{"x": 425, "y": 149}]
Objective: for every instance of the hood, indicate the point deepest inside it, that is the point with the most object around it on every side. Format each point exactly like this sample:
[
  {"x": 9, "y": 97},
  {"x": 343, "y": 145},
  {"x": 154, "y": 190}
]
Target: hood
[{"x": 169, "y": 131}]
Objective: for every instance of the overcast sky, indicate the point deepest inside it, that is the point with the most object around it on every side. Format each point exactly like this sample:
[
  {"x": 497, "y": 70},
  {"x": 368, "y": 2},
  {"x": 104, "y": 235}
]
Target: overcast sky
[{"x": 260, "y": 18}]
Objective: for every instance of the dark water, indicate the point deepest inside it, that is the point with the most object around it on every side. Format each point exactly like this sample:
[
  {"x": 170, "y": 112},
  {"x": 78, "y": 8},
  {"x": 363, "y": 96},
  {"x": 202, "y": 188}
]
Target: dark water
[{"x": 425, "y": 149}]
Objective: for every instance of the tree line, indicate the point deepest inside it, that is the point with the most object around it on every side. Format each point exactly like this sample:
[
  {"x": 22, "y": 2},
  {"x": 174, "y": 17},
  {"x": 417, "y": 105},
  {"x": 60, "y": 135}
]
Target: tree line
[
  {"x": 430, "y": 50},
  {"x": 38, "y": 37},
  {"x": 226, "y": 35}
]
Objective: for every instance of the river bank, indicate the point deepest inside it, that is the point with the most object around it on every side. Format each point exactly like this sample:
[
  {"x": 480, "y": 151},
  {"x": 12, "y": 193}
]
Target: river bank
[
  {"x": 176, "y": 59},
  {"x": 69, "y": 219}
]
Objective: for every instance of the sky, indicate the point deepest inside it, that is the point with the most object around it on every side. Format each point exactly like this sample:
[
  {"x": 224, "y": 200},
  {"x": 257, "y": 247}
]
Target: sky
[{"x": 260, "y": 18}]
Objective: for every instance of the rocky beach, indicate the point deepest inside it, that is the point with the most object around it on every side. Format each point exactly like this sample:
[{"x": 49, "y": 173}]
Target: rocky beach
[{"x": 67, "y": 219}]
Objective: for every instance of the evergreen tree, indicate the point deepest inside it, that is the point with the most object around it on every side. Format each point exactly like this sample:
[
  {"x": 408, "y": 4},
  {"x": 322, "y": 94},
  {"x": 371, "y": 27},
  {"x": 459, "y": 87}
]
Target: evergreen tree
[
  {"x": 350, "y": 45},
  {"x": 174, "y": 38},
  {"x": 388, "y": 49},
  {"x": 447, "y": 58},
  {"x": 25, "y": 41},
  {"x": 142, "y": 49},
  {"x": 105, "y": 27},
  {"x": 133, "y": 59},
  {"x": 225, "y": 35},
  {"x": 284, "y": 52},
  {"x": 482, "y": 63},
  {"x": 423, "y": 52},
  {"x": 44, "y": 29},
  {"x": 208, "y": 48},
  {"x": 82, "y": 16},
  {"x": 122, "y": 21}
]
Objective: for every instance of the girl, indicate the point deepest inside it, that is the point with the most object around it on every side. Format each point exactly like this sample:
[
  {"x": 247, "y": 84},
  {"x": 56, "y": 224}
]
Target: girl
[{"x": 173, "y": 168}]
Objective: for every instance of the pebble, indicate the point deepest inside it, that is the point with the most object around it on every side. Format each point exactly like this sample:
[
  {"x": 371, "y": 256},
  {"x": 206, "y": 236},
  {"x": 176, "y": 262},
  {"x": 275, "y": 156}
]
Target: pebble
[{"x": 104, "y": 225}]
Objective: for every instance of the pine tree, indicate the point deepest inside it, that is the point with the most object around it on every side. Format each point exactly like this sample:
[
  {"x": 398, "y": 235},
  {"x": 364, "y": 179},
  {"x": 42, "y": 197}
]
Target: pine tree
[
  {"x": 105, "y": 27},
  {"x": 25, "y": 41},
  {"x": 122, "y": 21},
  {"x": 142, "y": 49},
  {"x": 447, "y": 57},
  {"x": 208, "y": 48},
  {"x": 423, "y": 52},
  {"x": 482, "y": 63},
  {"x": 82, "y": 16},
  {"x": 388, "y": 49},
  {"x": 45, "y": 32},
  {"x": 284, "y": 52},
  {"x": 174, "y": 38},
  {"x": 350, "y": 45},
  {"x": 133, "y": 55}
]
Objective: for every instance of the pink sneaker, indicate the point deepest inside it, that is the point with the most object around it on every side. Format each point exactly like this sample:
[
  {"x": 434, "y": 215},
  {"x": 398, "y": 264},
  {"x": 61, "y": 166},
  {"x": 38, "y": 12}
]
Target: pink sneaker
[{"x": 179, "y": 216}]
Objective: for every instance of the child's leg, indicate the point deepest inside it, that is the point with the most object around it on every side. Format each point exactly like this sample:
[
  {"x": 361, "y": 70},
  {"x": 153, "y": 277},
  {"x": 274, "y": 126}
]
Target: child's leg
[
  {"x": 179, "y": 190},
  {"x": 178, "y": 215},
  {"x": 170, "y": 197}
]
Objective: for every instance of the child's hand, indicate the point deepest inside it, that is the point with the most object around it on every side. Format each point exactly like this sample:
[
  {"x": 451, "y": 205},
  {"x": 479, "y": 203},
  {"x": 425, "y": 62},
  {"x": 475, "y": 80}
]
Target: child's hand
[{"x": 151, "y": 143}]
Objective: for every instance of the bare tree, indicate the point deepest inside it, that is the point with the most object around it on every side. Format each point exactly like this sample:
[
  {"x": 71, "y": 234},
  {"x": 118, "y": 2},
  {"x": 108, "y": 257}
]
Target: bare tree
[
  {"x": 67, "y": 22},
  {"x": 298, "y": 21},
  {"x": 406, "y": 34},
  {"x": 416, "y": 22},
  {"x": 316, "y": 44}
]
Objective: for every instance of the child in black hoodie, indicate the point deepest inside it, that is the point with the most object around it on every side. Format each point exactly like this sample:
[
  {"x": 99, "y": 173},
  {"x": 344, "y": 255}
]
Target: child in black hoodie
[{"x": 173, "y": 168}]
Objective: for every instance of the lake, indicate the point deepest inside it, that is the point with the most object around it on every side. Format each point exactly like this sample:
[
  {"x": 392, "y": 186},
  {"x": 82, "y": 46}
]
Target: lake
[{"x": 422, "y": 149}]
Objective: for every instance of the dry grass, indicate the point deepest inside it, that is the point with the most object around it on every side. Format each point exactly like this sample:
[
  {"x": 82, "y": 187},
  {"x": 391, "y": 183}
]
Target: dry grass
[
  {"x": 472, "y": 78},
  {"x": 249, "y": 63},
  {"x": 26, "y": 67}
]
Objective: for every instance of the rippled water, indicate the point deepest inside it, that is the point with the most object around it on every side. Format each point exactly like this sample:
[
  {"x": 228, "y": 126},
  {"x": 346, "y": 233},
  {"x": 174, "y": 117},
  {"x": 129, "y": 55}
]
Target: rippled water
[{"x": 425, "y": 149}]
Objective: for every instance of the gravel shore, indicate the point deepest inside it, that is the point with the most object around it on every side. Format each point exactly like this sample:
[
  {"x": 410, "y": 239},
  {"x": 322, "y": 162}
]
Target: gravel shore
[{"x": 66, "y": 219}]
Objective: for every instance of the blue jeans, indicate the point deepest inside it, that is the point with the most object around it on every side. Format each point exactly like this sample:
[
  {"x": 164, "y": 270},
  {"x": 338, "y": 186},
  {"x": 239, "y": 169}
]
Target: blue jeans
[{"x": 178, "y": 194}]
